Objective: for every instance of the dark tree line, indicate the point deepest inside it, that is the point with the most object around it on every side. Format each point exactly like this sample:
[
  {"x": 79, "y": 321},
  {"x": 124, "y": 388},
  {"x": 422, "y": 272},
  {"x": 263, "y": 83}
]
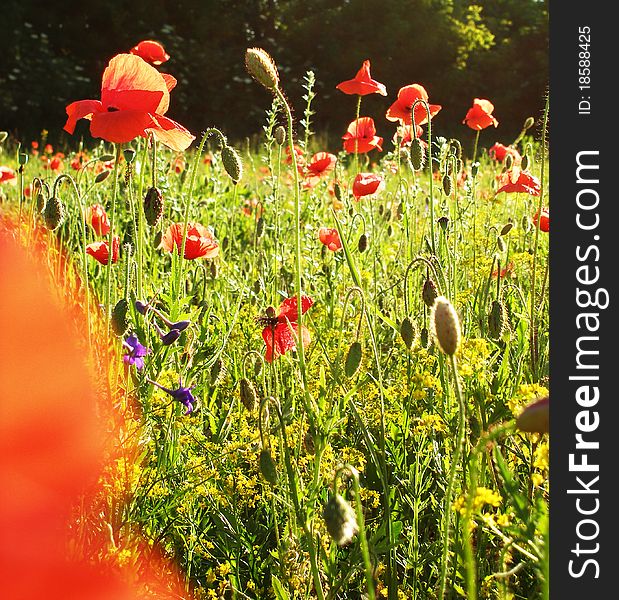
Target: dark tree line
[{"x": 52, "y": 54}]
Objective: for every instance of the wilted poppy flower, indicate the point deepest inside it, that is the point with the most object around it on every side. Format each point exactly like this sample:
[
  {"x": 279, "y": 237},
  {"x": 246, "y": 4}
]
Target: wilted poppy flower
[
  {"x": 319, "y": 165},
  {"x": 98, "y": 219},
  {"x": 401, "y": 109},
  {"x": 151, "y": 51},
  {"x": 281, "y": 329},
  {"x": 498, "y": 152},
  {"x": 516, "y": 180},
  {"x": 7, "y": 175},
  {"x": 367, "y": 184},
  {"x": 362, "y": 84},
  {"x": 330, "y": 238},
  {"x": 479, "y": 116},
  {"x": 136, "y": 352},
  {"x": 361, "y": 136},
  {"x": 100, "y": 251},
  {"x": 182, "y": 394},
  {"x": 200, "y": 241},
  {"x": 134, "y": 98},
  {"x": 544, "y": 220}
]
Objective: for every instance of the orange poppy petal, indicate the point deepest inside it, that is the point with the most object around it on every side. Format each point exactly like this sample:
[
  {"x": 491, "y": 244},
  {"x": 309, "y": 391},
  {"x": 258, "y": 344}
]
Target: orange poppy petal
[
  {"x": 120, "y": 126},
  {"x": 171, "y": 133},
  {"x": 82, "y": 109}
]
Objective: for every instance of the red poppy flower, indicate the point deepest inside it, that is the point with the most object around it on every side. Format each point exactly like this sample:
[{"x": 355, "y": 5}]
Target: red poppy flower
[
  {"x": 299, "y": 156},
  {"x": 54, "y": 163},
  {"x": 401, "y": 109},
  {"x": 319, "y": 165},
  {"x": 134, "y": 98},
  {"x": 507, "y": 270},
  {"x": 362, "y": 84},
  {"x": 49, "y": 149},
  {"x": 178, "y": 164},
  {"x": 516, "y": 180},
  {"x": 404, "y": 133},
  {"x": 330, "y": 238},
  {"x": 498, "y": 152},
  {"x": 200, "y": 241},
  {"x": 479, "y": 116},
  {"x": 98, "y": 219},
  {"x": 151, "y": 51},
  {"x": 544, "y": 220},
  {"x": 100, "y": 251},
  {"x": 361, "y": 136},
  {"x": 7, "y": 175},
  {"x": 281, "y": 330},
  {"x": 78, "y": 161},
  {"x": 367, "y": 184}
]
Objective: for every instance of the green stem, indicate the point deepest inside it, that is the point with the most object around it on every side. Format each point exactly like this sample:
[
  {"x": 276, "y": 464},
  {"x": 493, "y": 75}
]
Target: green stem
[{"x": 110, "y": 262}]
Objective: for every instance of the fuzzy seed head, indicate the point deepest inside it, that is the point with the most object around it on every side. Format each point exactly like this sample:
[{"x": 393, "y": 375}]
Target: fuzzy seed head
[
  {"x": 262, "y": 68},
  {"x": 232, "y": 163},
  {"x": 341, "y": 520},
  {"x": 446, "y": 325}
]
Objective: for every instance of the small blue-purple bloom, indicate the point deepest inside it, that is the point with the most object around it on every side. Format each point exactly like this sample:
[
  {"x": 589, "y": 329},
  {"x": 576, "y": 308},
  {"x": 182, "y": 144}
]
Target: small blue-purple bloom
[
  {"x": 182, "y": 394},
  {"x": 179, "y": 325},
  {"x": 170, "y": 337},
  {"x": 141, "y": 307},
  {"x": 136, "y": 353}
]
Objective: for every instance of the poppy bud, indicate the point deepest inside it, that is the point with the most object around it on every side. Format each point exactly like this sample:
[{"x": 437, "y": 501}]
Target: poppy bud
[
  {"x": 446, "y": 325},
  {"x": 429, "y": 292},
  {"x": 232, "y": 163},
  {"x": 22, "y": 159},
  {"x": 363, "y": 242},
  {"x": 106, "y": 157},
  {"x": 528, "y": 123},
  {"x": 102, "y": 176},
  {"x": 170, "y": 337},
  {"x": 341, "y": 520},
  {"x": 259, "y": 227},
  {"x": 257, "y": 367},
  {"x": 353, "y": 359},
  {"x": 524, "y": 163},
  {"x": 407, "y": 331},
  {"x": 129, "y": 154},
  {"x": 53, "y": 213},
  {"x": 40, "y": 202},
  {"x": 120, "y": 321},
  {"x": 337, "y": 190},
  {"x": 500, "y": 243},
  {"x": 535, "y": 418},
  {"x": 474, "y": 169},
  {"x": 418, "y": 154},
  {"x": 424, "y": 337},
  {"x": 214, "y": 270},
  {"x": 262, "y": 68},
  {"x": 443, "y": 223},
  {"x": 506, "y": 228},
  {"x": 390, "y": 230},
  {"x": 217, "y": 372},
  {"x": 447, "y": 184},
  {"x": 153, "y": 206},
  {"x": 497, "y": 319},
  {"x": 280, "y": 135},
  {"x": 268, "y": 467},
  {"x": 249, "y": 398}
]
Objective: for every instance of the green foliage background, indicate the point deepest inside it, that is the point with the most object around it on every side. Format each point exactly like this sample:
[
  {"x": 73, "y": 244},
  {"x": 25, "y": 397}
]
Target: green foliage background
[{"x": 54, "y": 53}]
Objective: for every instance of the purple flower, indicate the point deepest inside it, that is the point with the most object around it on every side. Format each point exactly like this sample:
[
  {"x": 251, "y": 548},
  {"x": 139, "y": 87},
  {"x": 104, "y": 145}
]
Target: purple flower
[
  {"x": 182, "y": 394},
  {"x": 170, "y": 337},
  {"x": 136, "y": 353},
  {"x": 179, "y": 325}
]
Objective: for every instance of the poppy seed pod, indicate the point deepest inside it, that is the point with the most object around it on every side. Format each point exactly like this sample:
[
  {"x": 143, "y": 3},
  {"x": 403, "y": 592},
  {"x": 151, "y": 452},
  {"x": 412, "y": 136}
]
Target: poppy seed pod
[
  {"x": 497, "y": 319},
  {"x": 474, "y": 169},
  {"x": 53, "y": 213},
  {"x": 267, "y": 466},
  {"x": 443, "y": 222},
  {"x": 120, "y": 320},
  {"x": 446, "y": 325},
  {"x": 262, "y": 67},
  {"x": 248, "y": 395},
  {"x": 280, "y": 135},
  {"x": 232, "y": 163},
  {"x": 429, "y": 293},
  {"x": 418, "y": 154},
  {"x": 341, "y": 520},
  {"x": 153, "y": 206}
]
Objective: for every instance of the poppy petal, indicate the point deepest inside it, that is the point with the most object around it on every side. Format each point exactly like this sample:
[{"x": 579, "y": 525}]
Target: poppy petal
[
  {"x": 288, "y": 309},
  {"x": 120, "y": 126},
  {"x": 282, "y": 338},
  {"x": 170, "y": 81},
  {"x": 171, "y": 133},
  {"x": 82, "y": 109}
]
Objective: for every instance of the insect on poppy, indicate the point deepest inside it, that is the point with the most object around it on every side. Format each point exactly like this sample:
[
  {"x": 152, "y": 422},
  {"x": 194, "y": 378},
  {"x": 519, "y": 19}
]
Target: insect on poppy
[{"x": 281, "y": 329}]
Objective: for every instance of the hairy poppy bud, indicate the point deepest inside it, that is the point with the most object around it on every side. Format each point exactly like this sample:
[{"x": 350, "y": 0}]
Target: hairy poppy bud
[
  {"x": 106, "y": 157},
  {"x": 102, "y": 176},
  {"x": 267, "y": 466},
  {"x": 535, "y": 418},
  {"x": 528, "y": 123},
  {"x": 447, "y": 184},
  {"x": 443, "y": 223},
  {"x": 232, "y": 163},
  {"x": 249, "y": 398},
  {"x": 424, "y": 337},
  {"x": 418, "y": 154},
  {"x": 217, "y": 372},
  {"x": 353, "y": 359},
  {"x": 153, "y": 206},
  {"x": 474, "y": 169},
  {"x": 337, "y": 190},
  {"x": 120, "y": 320},
  {"x": 53, "y": 213},
  {"x": 500, "y": 243},
  {"x": 506, "y": 228},
  {"x": 40, "y": 201},
  {"x": 526, "y": 223},
  {"x": 524, "y": 163},
  {"x": 497, "y": 319},
  {"x": 262, "y": 67},
  {"x": 446, "y": 325},
  {"x": 259, "y": 227},
  {"x": 280, "y": 135},
  {"x": 341, "y": 520},
  {"x": 407, "y": 331},
  {"x": 214, "y": 270},
  {"x": 363, "y": 242},
  {"x": 429, "y": 292}
]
